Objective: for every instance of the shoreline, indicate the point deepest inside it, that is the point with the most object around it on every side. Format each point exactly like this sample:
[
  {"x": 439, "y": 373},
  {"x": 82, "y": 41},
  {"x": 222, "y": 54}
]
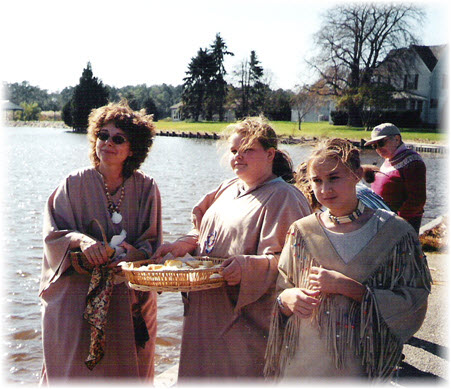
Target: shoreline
[{"x": 441, "y": 148}]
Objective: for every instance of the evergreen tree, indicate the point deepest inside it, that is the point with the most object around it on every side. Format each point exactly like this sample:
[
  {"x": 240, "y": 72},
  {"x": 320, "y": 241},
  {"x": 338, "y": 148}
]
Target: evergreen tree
[
  {"x": 252, "y": 89},
  {"x": 205, "y": 89},
  {"x": 90, "y": 93},
  {"x": 66, "y": 114},
  {"x": 199, "y": 74},
  {"x": 151, "y": 108},
  {"x": 218, "y": 86}
]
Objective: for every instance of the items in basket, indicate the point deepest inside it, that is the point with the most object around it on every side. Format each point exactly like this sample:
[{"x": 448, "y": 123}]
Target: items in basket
[
  {"x": 175, "y": 274},
  {"x": 175, "y": 264}
]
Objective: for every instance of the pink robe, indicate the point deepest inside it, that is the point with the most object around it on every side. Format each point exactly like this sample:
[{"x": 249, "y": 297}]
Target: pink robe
[
  {"x": 66, "y": 335},
  {"x": 225, "y": 330}
]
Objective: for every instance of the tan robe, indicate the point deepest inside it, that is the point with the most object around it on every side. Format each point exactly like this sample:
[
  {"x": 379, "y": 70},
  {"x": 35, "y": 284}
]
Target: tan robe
[
  {"x": 345, "y": 338},
  {"x": 225, "y": 330},
  {"x": 66, "y": 335}
]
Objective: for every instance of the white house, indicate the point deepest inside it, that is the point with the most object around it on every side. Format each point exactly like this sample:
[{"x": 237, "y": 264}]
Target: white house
[
  {"x": 318, "y": 114},
  {"x": 422, "y": 86},
  {"x": 176, "y": 114},
  {"x": 9, "y": 108}
]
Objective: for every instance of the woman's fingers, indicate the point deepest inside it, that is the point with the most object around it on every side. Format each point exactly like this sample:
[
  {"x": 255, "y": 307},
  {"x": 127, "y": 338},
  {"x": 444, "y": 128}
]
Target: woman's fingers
[{"x": 95, "y": 252}]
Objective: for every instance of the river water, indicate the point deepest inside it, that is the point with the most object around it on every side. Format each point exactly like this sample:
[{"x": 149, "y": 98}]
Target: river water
[{"x": 37, "y": 159}]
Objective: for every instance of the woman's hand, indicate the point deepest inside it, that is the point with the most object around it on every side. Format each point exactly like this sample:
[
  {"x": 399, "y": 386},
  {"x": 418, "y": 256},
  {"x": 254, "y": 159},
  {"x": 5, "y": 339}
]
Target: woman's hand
[
  {"x": 299, "y": 301},
  {"x": 327, "y": 281},
  {"x": 132, "y": 254},
  {"x": 331, "y": 281},
  {"x": 94, "y": 251},
  {"x": 177, "y": 249},
  {"x": 232, "y": 270}
]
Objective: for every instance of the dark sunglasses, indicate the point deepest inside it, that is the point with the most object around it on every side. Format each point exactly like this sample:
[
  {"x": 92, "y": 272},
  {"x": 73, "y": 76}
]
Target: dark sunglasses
[
  {"x": 117, "y": 139},
  {"x": 380, "y": 143}
]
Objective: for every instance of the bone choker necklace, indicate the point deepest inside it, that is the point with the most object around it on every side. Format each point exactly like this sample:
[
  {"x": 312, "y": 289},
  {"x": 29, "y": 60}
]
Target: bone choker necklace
[
  {"x": 348, "y": 218},
  {"x": 114, "y": 209}
]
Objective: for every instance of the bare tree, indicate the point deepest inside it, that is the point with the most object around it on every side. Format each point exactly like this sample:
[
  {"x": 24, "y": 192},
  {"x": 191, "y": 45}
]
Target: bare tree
[
  {"x": 355, "y": 38},
  {"x": 304, "y": 102}
]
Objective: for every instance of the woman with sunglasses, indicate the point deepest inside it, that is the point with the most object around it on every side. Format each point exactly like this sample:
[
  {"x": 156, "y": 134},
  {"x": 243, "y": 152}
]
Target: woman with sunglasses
[
  {"x": 93, "y": 325},
  {"x": 401, "y": 180}
]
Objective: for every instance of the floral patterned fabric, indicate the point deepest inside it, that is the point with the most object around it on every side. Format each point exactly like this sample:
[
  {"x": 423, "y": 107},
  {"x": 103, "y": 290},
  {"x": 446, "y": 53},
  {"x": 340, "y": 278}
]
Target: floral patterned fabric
[{"x": 97, "y": 304}]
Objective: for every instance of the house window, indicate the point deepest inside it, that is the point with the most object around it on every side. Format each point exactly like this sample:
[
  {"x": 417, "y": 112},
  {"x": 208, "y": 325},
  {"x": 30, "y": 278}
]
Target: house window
[
  {"x": 420, "y": 106},
  {"x": 434, "y": 103},
  {"x": 411, "y": 81}
]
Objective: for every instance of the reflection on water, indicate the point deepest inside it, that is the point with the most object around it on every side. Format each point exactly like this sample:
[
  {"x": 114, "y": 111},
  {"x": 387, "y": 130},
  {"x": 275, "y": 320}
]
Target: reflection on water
[{"x": 185, "y": 169}]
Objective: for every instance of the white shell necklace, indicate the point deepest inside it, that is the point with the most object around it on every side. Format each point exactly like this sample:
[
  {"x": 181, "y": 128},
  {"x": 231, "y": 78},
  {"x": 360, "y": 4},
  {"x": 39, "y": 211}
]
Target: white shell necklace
[
  {"x": 114, "y": 209},
  {"x": 348, "y": 218}
]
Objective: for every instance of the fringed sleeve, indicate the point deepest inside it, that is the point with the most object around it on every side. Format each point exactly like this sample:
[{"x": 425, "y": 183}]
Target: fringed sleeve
[
  {"x": 392, "y": 310},
  {"x": 394, "y": 306},
  {"x": 284, "y": 331}
]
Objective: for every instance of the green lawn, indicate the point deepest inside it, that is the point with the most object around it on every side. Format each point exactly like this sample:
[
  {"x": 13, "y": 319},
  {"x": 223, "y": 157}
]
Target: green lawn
[{"x": 308, "y": 130}]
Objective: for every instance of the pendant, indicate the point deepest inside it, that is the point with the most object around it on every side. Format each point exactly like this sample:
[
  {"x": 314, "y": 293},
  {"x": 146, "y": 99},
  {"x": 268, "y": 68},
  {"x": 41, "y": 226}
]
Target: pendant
[{"x": 116, "y": 217}]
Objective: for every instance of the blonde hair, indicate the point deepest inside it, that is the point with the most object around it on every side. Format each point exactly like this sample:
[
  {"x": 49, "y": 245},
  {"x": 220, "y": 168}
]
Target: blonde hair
[
  {"x": 302, "y": 182},
  {"x": 339, "y": 149},
  {"x": 257, "y": 128}
]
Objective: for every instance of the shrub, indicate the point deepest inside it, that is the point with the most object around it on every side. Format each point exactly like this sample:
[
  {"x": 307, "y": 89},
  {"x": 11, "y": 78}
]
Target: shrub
[{"x": 339, "y": 118}]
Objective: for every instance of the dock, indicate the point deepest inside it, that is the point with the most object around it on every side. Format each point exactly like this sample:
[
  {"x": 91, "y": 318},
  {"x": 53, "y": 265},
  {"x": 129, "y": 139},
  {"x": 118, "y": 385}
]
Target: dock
[{"x": 419, "y": 147}]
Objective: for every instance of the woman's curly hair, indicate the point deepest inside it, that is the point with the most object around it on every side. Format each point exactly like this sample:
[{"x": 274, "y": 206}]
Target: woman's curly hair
[{"x": 138, "y": 127}]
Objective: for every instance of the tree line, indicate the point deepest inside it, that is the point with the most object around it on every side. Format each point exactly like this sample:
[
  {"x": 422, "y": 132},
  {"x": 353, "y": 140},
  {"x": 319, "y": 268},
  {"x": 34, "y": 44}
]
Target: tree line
[
  {"x": 160, "y": 97},
  {"x": 355, "y": 65}
]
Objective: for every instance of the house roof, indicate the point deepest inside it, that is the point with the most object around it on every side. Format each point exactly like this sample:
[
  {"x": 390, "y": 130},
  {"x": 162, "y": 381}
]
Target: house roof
[
  {"x": 9, "y": 106},
  {"x": 175, "y": 106},
  {"x": 407, "y": 95},
  {"x": 429, "y": 54}
]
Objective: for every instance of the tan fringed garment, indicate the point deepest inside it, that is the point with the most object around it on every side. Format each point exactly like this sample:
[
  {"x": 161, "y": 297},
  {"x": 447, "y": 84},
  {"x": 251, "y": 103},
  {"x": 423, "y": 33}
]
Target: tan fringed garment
[{"x": 345, "y": 338}]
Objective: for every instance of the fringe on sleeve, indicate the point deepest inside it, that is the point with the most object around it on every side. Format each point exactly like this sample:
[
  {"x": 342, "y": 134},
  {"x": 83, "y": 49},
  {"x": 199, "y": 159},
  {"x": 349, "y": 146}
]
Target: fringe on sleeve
[
  {"x": 284, "y": 332},
  {"x": 357, "y": 326}
]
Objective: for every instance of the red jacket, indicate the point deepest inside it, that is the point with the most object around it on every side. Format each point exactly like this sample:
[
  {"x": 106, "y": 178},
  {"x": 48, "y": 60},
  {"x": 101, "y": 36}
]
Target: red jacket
[{"x": 401, "y": 182}]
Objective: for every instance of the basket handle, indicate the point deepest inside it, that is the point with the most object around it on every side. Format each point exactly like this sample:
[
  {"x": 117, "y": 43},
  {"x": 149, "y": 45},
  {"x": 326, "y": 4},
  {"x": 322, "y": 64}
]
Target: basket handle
[{"x": 109, "y": 250}]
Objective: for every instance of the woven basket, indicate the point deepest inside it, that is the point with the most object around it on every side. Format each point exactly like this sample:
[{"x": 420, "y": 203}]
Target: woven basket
[{"x": 183, "y": 280}]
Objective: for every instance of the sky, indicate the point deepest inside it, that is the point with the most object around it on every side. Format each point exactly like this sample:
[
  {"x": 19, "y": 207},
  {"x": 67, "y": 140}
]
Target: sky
[{"x": 129, "y": 42}]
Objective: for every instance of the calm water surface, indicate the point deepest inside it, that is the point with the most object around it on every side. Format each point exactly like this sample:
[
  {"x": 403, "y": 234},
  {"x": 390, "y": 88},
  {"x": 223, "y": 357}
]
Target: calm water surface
[{"x": 185, "y": 169}]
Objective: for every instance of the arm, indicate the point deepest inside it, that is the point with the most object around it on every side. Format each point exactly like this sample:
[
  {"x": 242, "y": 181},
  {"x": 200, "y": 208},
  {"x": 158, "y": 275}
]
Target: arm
[
  {"x": 259, "y": 272},
  {"x": 59, "y": 236},
  {"x": 414, "y": 177},
  {"x": 403, "y": 303},
  {"x": 331, "y": 281}
]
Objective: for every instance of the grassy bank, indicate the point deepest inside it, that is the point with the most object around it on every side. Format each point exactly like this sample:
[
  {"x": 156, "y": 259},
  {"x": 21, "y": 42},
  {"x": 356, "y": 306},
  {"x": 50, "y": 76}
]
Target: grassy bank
[{"x": 308, "y": 130}]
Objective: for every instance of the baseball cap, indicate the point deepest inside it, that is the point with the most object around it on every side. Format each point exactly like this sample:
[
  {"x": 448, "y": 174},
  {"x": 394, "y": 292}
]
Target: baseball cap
[{"x": 382, "y": 131}]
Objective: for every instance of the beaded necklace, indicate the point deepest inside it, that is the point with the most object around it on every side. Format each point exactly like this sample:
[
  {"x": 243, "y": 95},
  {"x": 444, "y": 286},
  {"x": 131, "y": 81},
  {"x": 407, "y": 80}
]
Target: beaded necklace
[
  {"x": 114, "y": 209},
  {"x": 348, "y": 218}
]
